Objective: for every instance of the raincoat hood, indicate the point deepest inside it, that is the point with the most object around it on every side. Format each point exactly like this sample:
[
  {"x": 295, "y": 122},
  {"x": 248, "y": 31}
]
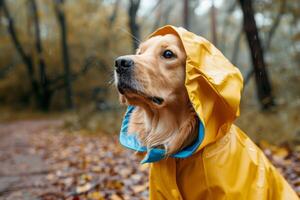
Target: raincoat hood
[{"x": 214, "y": 87}]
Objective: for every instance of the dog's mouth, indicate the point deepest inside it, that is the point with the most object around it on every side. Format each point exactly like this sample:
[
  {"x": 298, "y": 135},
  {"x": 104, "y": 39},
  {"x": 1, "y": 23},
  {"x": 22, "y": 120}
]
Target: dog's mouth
[{"x": 128, "y": 90}]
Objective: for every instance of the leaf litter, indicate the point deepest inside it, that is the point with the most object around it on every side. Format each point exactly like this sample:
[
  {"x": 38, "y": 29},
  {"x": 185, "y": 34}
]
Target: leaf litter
[{"x": 97, "y": 167}]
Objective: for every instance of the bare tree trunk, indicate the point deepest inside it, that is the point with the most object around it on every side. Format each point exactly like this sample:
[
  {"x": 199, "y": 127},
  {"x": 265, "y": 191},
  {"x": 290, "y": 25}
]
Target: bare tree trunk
[
  {"x": 186, "y": 17},
  {"x": 133, "y": 25},
  {"x": 264, "y": 89},
  {"x": 45, "y": 92},
  {"x": 26, "y": 58},
  {"x": 65, "y": 53},
  {"x": 213, "y": 23},
  {"x": 269, "y": 37}
]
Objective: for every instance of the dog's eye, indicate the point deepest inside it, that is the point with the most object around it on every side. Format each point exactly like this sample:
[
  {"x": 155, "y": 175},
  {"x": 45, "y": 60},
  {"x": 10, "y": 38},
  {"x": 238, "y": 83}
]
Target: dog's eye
[{"x": 168, "y": 54}]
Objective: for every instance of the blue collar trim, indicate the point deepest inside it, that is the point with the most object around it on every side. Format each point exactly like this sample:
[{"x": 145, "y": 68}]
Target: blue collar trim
[{"x": 154, "y": 154}]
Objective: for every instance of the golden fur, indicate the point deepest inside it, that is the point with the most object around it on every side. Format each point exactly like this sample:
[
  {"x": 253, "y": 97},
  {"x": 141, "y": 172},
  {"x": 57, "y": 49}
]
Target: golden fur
[{"x": 172, "y": 124}]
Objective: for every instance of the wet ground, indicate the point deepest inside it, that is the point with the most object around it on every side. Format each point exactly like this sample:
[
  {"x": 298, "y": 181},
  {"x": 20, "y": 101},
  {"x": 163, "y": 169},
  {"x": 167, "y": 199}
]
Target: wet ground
[
  {"x": 40, "y": 160},
  {"x": 22, "y": 171}
]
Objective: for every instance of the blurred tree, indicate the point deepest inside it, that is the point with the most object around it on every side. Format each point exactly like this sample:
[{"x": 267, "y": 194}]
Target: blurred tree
[
  {"x": 213, "y": 23},
  {"x": 167, "y": 12},
  {"x": 186, "y": 17},
  {"x": 133, "y": 25},
  {"x": 229, "y": 9},
  {"x": 275, "y": 24},
  {"x": 40, "y": 53},
  {"x": 163, "y": 11},
  {"x": 27, "y": 59},
  {"x": 159, "y": 12},
  {"x": 113, "y": 16},
  {"x": 236, "y": 48},
  {"x": 45, "y": 93},
  {"x": 263, "y": 85},
  {"x": 58, "y": 5},
  {"x": 92, "y": 49}
]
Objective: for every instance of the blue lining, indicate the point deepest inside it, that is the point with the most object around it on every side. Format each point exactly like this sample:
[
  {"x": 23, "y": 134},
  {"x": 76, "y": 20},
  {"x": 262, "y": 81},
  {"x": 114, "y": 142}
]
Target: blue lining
[{"x": 155, "y": 154}]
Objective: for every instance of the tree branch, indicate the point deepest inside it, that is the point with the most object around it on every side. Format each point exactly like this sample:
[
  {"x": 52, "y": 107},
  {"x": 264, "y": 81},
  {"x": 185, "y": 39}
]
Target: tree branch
[
  {"x": 158, "y": 16},
  {"x": 226, "y": 24},
  {"x": 151, "y": 11},
  {"x": 236, "y": 46},
  {"x": 11, "y": 29},
  {"x": 5, "y": 70},
  {"x": 113, "y": 16},
  {"x": 25, "y": 58},
  {"x": 86, "y": 67},
  {"x": 275, "y": 24}
]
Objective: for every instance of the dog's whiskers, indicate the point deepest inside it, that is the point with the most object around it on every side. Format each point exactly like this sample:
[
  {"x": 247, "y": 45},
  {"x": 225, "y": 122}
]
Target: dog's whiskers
[
  {"x": 132, "y": 36},
  {"x": 111, "y": 81}
]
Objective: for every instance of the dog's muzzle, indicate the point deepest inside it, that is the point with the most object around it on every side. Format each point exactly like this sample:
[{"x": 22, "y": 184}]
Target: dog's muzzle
[
  {"x": 123, "y": 64},
  {"x": 123, "y": 69}
]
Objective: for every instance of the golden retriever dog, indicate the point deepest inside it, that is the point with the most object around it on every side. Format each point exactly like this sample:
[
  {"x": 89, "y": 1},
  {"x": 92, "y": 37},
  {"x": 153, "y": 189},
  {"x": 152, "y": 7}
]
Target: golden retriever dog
[
  {"x": 183, "y": 96},
  {"x": 153, "y": 80}
]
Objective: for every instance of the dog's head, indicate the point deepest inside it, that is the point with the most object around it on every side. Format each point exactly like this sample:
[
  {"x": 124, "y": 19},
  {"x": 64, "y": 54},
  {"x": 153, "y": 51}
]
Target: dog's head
[
  {"x": 175, "y": 90},
  {"x": 155, "y": 75},
  {"x": 154, "y": 80}
]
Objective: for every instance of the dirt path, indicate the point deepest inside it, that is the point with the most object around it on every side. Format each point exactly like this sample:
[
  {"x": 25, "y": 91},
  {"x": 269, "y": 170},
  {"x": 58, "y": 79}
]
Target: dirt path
[
  {"x": 22, "y": 172},
  {"x": 39, "y": 160}
]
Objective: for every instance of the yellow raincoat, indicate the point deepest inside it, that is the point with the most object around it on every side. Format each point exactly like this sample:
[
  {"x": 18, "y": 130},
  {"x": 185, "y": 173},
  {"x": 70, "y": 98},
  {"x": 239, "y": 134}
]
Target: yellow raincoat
[{"x": 226, "y": 164}]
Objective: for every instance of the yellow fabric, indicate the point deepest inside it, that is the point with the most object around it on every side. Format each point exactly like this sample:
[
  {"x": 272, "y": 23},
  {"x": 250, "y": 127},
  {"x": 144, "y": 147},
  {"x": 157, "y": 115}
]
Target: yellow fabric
[{"x": 227, "y": 165}]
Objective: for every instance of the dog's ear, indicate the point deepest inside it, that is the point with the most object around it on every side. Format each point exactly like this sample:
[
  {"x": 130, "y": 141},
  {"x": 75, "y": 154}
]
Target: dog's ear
[{"x": 186, "y": 134}]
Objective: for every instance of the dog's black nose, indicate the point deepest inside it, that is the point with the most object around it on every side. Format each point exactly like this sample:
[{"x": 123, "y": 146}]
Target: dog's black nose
[{"x": 123, "y": 62}]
